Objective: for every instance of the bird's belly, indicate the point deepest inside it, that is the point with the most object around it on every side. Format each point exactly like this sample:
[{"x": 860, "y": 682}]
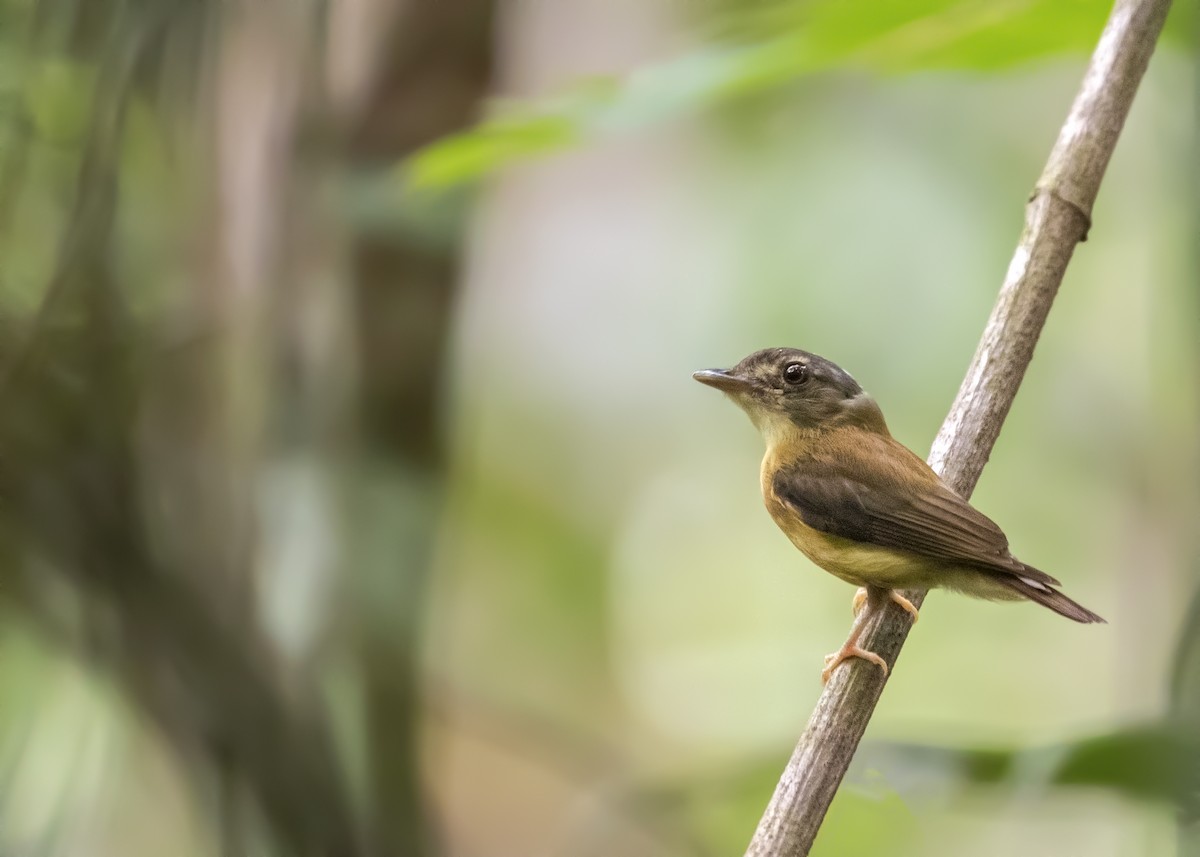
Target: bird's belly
[
  {"x": 855, "y": 562},
  {"x": 861, "y": 564}
]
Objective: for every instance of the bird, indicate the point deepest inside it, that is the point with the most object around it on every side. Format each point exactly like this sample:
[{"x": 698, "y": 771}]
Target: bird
[{"x": 861, "y": 505}]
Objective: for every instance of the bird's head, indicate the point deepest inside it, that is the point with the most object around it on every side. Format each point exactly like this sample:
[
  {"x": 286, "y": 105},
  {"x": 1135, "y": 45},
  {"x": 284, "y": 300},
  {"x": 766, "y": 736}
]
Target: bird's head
[{"x": 785, "y": 389}]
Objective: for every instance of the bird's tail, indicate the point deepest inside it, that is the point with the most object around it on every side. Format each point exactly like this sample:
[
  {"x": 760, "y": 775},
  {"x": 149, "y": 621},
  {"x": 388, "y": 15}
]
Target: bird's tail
[{"x": 1048, "y": 597}]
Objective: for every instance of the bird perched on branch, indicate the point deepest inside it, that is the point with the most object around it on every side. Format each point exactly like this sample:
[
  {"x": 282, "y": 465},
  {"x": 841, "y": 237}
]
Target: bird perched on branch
[{"x": 861, "y": 505}]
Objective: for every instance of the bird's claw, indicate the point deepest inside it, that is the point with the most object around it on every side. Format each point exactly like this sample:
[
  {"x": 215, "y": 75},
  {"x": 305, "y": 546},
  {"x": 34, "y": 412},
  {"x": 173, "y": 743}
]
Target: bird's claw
[
  {"x": 905, "y": 605},
  {"x": 845, "y": 653}
]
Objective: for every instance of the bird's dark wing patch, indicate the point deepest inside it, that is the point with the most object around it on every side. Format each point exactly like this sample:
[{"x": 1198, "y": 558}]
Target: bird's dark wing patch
[{"x": 929, "y": 520}]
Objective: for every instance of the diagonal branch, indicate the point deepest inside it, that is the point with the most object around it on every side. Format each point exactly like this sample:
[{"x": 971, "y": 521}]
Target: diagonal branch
[{"x": 1057, "y": 218}]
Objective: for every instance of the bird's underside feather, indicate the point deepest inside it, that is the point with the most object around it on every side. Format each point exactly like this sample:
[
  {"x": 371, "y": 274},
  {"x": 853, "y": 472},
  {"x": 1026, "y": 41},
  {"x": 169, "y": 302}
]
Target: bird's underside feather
[{"x": 835, "y": 497}]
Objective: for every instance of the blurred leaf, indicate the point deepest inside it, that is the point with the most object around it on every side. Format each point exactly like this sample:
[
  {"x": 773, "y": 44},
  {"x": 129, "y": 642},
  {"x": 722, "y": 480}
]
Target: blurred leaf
[
  {"x": 1157, "y": 762},
  {"x": 774, "y": 46},
  {"x": 1150, "y": 763},
  {"x": 492, "y": 145},
  {"x": 910, "y": 36}
]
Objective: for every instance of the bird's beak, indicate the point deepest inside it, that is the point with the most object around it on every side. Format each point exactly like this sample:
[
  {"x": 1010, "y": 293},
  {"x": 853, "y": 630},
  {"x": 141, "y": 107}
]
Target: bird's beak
[{"x": 723, "y": 380}]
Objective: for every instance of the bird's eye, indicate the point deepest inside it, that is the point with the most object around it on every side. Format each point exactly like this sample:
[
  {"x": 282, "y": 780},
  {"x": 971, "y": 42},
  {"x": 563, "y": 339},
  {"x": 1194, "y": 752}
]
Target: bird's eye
[{"x": 795, "y": 373}]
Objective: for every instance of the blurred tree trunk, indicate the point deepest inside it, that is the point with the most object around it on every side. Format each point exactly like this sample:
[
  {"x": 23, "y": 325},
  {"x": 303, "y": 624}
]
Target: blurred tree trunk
[
  {"x": 435, "y": 71},
  {"x": 132, "y": 477}
]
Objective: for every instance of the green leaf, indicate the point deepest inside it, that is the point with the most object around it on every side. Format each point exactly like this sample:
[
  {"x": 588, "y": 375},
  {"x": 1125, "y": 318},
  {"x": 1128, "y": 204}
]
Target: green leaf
[
  {"x": 494, "y": 144},
  {"x": 891, "y": 36},
  {"x": 774, "y": 47}
]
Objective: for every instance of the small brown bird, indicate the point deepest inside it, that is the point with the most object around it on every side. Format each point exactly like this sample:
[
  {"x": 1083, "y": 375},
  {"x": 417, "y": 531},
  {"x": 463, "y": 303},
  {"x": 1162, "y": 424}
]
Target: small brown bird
[{"x": 861, "y": 505}]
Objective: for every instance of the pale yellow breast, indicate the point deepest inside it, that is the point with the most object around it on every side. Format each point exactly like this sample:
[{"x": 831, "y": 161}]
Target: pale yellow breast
[{"x": 854, "y": 562}]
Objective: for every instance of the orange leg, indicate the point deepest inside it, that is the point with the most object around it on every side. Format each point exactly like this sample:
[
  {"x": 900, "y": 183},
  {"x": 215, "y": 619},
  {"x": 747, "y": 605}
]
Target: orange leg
[
  {"x": 860, "y": 598},
  {"x": 851, "y": 648}
]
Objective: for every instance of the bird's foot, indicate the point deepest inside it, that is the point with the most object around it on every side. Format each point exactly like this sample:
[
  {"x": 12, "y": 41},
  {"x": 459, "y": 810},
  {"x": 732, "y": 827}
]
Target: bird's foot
[
  {"x": 850, "y": 650},
  {"x": 905, "y": 605},
  {"x": 860, "y": 598}
]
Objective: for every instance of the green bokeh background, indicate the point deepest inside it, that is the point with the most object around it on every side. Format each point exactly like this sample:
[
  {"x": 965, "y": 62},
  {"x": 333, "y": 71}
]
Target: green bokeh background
[{"x": 619, "y": 649}]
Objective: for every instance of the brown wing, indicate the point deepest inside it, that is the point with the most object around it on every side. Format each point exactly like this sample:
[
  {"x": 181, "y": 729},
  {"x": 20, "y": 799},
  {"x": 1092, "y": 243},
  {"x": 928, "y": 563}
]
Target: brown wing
[{"x": 891, "y": 508}]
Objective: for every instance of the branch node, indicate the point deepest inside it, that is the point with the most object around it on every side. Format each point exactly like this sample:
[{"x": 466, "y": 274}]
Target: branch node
[{"x": 1081, "y": 209}]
